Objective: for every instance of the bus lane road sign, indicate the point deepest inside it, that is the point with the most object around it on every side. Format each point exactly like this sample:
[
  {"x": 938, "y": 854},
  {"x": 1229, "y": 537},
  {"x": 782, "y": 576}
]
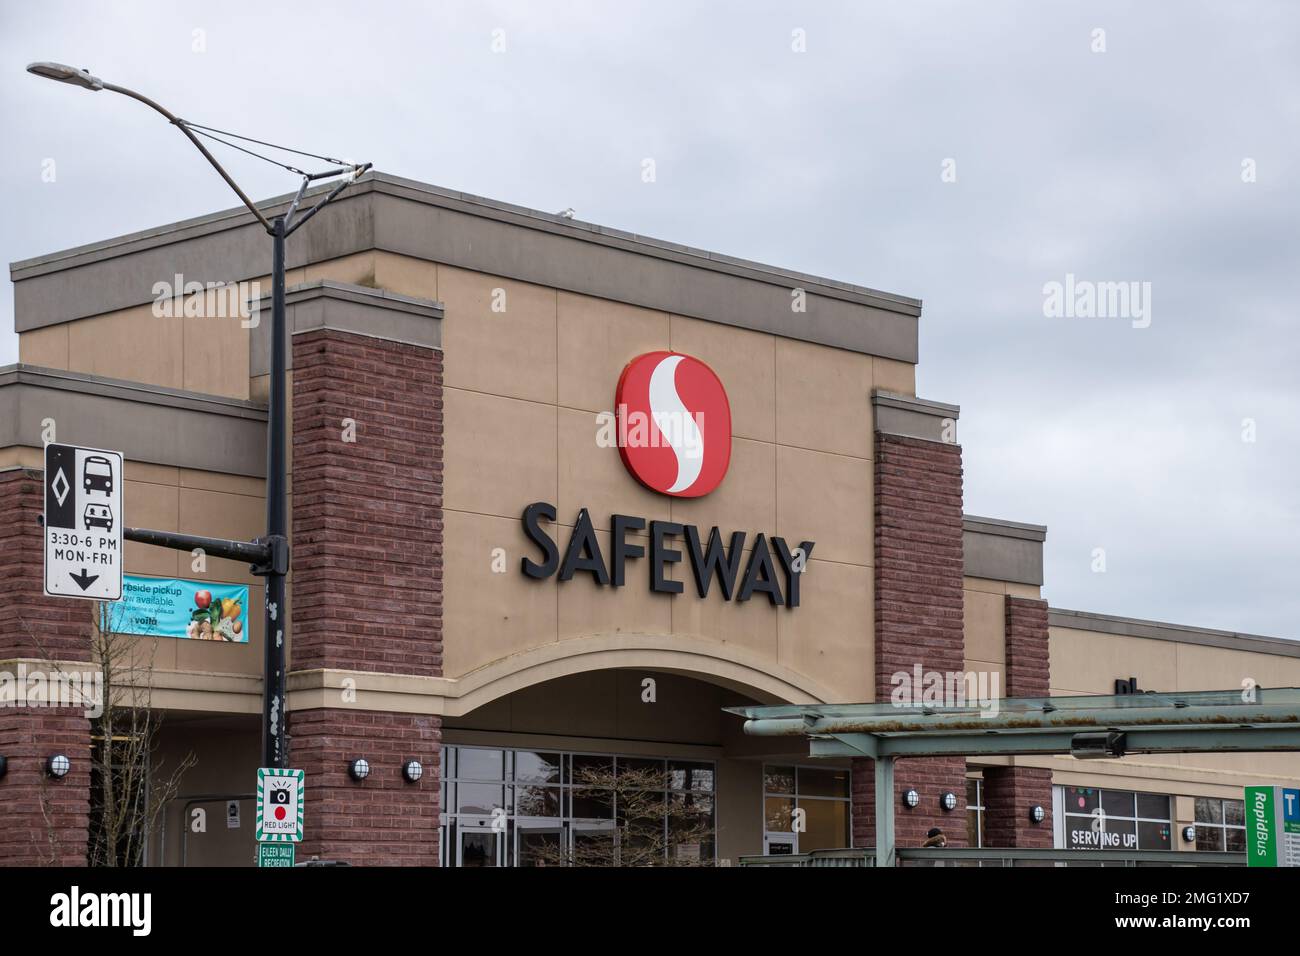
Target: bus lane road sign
[{"x": 83, "y": 523}]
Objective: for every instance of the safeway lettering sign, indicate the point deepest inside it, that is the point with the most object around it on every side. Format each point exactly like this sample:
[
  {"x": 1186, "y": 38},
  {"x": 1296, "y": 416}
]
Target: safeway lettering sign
[{"x": 83, "y": 523}]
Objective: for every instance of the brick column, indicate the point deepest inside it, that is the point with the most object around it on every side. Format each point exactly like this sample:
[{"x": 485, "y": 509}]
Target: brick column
[
  {"x": 43, "y": 821},
  {"x": 918, "y": 599},
  {"x": 367, "y": 572},
  {"x": 1011, "y": 792}
]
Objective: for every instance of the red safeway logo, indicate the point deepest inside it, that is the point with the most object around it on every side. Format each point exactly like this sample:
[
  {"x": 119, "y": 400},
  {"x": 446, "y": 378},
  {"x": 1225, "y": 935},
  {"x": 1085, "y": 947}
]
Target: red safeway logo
[{"x": 674, "y": 424}]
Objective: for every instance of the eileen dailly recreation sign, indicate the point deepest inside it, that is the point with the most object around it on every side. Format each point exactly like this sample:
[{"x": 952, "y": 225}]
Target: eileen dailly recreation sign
[{"x": 174, "y": 607}]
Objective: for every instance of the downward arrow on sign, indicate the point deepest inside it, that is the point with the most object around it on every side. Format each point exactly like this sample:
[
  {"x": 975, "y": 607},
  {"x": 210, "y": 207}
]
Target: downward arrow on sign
[{"x": 83, "y": 579}]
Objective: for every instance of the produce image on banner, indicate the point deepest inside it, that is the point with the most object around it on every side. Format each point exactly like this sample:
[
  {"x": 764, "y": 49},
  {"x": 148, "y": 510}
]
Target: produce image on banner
[{"x": 173, "y": 607}]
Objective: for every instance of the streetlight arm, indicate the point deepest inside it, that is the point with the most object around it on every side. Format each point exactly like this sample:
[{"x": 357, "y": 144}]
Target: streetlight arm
[
  {"x": 291, "y": 226},
  {"x": 180, "y": 124}
]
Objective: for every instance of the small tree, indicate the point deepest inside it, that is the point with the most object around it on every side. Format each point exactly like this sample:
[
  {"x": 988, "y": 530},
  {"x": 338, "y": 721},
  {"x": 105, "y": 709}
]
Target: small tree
[
  {"x": 128, "y": 789},
  {"x": 649, "y": 826}
]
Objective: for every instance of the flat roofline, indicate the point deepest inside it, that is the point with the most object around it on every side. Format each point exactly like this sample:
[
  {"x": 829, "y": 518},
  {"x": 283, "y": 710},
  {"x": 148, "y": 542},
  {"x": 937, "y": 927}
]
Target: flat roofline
[
  {"x": 1164, "y": 631},
  {"x": 491, "y": 208},
  {"x": 1001, "y": 526},
  {"x": 87, "y": 383}
]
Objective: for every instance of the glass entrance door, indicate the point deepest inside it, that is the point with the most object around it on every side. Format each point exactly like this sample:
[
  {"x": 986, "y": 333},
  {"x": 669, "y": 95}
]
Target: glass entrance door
[{"x": 479, "y": 846}]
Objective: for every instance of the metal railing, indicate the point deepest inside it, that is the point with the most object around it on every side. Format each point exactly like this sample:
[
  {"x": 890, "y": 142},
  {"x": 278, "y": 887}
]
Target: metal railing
[
  {"x": 1021, "y": 856},
  {"x": 850, "y": 857},
  {"x": 1003, "y": 857}
]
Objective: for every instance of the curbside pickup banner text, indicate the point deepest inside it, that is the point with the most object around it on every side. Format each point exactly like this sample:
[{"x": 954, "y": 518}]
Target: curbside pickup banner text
[{"x": 174, "y": 607}]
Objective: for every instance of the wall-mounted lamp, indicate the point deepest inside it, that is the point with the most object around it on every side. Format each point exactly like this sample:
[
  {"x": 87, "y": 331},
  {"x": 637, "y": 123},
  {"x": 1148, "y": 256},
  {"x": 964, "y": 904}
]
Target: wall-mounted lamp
[
  {"x": 1189, "y": 834},
  {"x": 1037, "y": 814},
  {"x": 359, "y": 769},
  {"x": 948, "y": 801},
  {"x": 412, "y": 770},
  {"x": 911, "y": 798},
  {"x": 57, "y": 766},
  {"x": 4, "y": 765}
]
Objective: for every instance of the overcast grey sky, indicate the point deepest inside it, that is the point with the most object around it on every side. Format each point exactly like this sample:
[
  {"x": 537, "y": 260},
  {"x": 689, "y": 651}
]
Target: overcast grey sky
[{"x": 1115, "y": 166}]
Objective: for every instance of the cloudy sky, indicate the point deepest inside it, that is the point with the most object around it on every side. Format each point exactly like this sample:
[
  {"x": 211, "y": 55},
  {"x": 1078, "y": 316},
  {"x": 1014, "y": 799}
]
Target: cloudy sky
[{"x": 965, "y": 154}]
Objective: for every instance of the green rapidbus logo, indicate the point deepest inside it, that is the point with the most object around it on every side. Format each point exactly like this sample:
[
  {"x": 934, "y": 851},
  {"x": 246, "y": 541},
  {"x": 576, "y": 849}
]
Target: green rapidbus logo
[{"x": 1260, "y": 821}]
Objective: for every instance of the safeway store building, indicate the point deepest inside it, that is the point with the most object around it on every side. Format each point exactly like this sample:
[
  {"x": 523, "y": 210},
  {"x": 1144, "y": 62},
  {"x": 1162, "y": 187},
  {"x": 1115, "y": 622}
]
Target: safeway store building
[{"x": 493, "y": 577}]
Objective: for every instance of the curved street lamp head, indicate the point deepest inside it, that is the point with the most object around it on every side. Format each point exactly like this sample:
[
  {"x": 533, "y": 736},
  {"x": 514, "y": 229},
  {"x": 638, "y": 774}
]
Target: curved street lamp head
[{"x": 66, "y": 74}]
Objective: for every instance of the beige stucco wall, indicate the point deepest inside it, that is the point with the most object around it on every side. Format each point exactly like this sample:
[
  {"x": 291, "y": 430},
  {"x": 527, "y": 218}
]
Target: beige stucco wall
[
  {"x": 207, "y": 354},
  {"x": 1087, "y": 662},
  {"x": 523, "y": 388},
  {"x": 984, "y": 619}
]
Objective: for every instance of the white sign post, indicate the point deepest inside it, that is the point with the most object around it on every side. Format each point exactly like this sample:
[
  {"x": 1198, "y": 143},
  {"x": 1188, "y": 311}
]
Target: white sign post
[{"x": 83, "y": 523}]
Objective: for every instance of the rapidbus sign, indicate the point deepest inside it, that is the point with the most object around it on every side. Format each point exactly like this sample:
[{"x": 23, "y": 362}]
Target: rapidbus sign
[{"x": 1272, "y": 826}]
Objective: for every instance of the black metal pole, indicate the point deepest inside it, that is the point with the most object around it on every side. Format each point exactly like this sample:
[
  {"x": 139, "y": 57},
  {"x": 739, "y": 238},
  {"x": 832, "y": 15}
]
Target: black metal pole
[
  {"x": 275, "y": 751},
  {"x": 256, "y": 553}
]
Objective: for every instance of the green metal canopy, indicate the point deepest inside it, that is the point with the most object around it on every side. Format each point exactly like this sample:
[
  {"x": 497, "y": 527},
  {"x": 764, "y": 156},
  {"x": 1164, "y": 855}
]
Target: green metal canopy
[{"x": 1217, "y": 721}]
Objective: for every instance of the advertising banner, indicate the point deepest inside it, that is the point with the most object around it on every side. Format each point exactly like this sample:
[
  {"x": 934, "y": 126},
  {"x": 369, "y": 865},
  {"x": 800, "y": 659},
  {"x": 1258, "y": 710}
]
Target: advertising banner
[{"x": 174, "y": 607}]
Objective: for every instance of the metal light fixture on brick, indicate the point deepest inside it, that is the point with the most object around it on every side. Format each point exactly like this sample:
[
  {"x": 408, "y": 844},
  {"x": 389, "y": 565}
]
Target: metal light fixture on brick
[
  {"x": 1037, "y": 814},
  {"x": 58, "y": 766},
  {"x": 412, "y": 770},
  {"x": 948, "y": 801},
  {"x": 4, "y": 766},
  {"x": 911, "y": 798},
  {"x": 359, "y": 769},
  {"x": 1189, "y": 834}
]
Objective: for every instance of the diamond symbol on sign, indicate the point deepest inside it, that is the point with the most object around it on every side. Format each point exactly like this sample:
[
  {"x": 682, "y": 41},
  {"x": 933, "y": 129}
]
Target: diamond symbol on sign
[{"x": 60, "y": 486}]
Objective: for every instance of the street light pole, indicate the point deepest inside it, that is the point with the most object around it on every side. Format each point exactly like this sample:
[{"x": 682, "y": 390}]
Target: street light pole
[
  {"x": 274, "y": 744},
  {"x": 269, "y": 554}
]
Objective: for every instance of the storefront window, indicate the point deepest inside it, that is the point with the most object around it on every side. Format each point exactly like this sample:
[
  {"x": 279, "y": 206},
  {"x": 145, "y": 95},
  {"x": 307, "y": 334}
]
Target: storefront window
[
  {"x": 822, "y": 793},
  {"x": 545, "y": 808},
  {"x": 1220, "y": 825},
  {"x": 1116, "y": 819}
]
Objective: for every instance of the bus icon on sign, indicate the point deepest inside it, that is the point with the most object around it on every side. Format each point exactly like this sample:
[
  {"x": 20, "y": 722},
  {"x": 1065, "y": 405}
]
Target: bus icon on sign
[{"x": 97, "y": 475}]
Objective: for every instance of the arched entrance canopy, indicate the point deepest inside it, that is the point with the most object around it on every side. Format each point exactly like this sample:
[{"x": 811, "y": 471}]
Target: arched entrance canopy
[{"x": 726, "y": 665}]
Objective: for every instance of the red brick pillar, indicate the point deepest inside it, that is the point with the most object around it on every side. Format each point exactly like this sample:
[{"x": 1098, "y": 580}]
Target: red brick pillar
[
  {"x": 1010, "y": 793},
  {"x": 43, "y": 821},
  {"x": 918, "y": 600},
  {"x": 367, "y": 572}
]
